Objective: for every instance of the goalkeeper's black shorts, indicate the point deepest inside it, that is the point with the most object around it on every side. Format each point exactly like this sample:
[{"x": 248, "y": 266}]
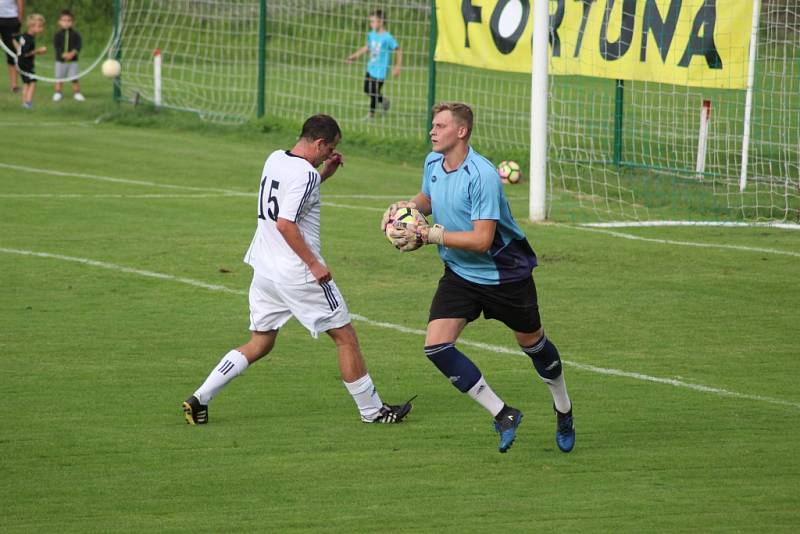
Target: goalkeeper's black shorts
[{"x": 512, "y": 303}]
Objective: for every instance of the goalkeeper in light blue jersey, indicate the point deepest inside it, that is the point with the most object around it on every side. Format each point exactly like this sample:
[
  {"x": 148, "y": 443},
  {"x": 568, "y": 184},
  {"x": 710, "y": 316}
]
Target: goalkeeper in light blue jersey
[
  {"x": 380, "y": 45},
  {"x": 487, "y": 269}
]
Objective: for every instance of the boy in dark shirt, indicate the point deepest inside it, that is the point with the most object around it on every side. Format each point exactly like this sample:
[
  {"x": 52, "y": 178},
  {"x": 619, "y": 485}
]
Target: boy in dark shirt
[
  {"x": 67, "y": 43},
  {"x": 26, "y": 52}
]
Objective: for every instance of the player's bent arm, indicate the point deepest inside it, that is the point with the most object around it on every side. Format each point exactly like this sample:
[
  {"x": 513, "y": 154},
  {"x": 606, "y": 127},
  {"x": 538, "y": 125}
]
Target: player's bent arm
[
  {"x": 478, "y": 240},
  {"x": 358, "y": 53},
  {"x": 294, "y": 238},
  {"x": 331, "y": 165},
  {"x": 398, "y": 61}
]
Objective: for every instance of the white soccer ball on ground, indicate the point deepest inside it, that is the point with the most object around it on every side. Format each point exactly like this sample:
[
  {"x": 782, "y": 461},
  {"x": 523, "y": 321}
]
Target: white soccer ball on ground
[
  {"x": 509, "y": 172},
  {"x": 111, "y": 68}
]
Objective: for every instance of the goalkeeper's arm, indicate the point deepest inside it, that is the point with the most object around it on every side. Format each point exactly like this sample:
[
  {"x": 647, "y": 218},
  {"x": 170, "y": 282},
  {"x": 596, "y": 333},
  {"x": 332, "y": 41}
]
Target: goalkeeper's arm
[
  {"x": 423, "y": 203},
  {"x": 479, "y": 239}
]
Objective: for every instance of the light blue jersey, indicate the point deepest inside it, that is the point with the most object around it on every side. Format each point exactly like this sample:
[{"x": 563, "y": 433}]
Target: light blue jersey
[
  {"x": 380, "y": 46},
  {"x": 470, "y": 193}
]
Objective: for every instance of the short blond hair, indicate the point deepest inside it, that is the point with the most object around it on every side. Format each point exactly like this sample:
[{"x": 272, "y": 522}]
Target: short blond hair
[
  {"x": 461, "y": 112},
  {"x": 33, "y": 18}
]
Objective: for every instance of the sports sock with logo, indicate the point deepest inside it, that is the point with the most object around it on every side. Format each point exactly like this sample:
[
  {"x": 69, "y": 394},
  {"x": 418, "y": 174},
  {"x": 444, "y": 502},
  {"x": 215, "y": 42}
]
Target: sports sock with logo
[
  {"x": 366, "y": 396},
  {"x": 230, "y": 366},
  {"x": 464, "y": 375},
  {"x": 547, "y": 363}
]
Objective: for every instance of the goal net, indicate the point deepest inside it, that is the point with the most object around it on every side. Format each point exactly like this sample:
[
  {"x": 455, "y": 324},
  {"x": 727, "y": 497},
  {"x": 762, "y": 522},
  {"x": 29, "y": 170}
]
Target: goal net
[
  {"x": 666, "y": 147},
  {"x": 309, "y": 41},
  {"x": 209, "y": 55},
  {"x": 651, "y": 149}
]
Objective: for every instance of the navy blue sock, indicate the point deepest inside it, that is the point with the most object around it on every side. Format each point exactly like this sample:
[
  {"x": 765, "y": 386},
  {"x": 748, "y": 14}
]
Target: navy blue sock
[
  {"x": 545, "y": 358},
  {"x": 453, "y": 364}
]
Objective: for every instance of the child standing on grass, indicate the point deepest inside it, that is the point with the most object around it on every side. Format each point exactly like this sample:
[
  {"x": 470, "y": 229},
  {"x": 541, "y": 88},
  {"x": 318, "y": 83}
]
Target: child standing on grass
[
  {"x": 380, "y": 45},
  {"x": 67, "y": 43},
  {"x": 11, "y": 13},
  {"x": 26, "y": 52}
]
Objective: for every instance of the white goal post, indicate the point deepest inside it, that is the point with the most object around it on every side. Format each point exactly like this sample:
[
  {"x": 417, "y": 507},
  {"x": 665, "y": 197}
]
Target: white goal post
[{"x": 539, "y": 89}]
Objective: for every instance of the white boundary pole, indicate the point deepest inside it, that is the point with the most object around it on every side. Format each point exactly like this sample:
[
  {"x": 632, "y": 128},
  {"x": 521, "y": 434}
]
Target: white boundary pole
[
  {"x": 748, "y": 105},
  {"x": 157, "y": 77},
  {"x": 702, "y": 139},
  {"x": 538, "y": 154}
]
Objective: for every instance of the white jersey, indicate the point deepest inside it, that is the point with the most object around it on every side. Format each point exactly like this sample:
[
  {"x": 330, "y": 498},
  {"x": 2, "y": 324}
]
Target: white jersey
[
  {"x": 289, "y": 189},
  {"x": 8, "y": 9}
]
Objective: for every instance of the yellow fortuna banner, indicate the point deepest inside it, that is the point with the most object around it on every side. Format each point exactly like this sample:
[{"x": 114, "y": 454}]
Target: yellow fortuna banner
[{"x": 685, "y": 42}]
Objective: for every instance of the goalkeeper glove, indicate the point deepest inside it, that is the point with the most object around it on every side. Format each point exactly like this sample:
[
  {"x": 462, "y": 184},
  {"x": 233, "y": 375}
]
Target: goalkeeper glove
[
  {"x": 391, "y": 210},
  {"x": 412, "y": 237}
]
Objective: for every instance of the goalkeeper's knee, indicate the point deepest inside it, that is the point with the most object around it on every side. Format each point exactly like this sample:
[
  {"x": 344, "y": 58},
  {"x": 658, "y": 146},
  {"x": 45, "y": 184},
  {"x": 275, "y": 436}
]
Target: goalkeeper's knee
[
  {"x": 453, "y": 364},
  {"x": 545, "y": 358}
]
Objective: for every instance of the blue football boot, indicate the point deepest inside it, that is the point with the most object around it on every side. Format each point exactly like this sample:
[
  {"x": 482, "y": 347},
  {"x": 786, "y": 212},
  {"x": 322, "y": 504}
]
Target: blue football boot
[
  {"x": 507, "y": 428},
  {"x": 565, "y": 430}
]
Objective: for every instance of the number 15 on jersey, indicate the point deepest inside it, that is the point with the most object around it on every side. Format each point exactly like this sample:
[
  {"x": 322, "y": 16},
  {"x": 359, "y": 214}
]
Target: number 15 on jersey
[{"x": 272, "y": 200}]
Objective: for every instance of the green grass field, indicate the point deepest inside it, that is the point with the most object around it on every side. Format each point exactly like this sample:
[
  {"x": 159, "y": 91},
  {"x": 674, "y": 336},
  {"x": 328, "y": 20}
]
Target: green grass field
[{"x": 681, "y": 344}]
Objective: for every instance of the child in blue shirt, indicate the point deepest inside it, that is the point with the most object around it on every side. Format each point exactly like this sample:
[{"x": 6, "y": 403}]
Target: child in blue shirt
[{"x": 380, "y": 45}]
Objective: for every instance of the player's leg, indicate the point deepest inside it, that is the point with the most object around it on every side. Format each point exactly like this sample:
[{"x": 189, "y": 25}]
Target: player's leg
[
  {"x": 351, "y": 361},
  {"x": 354, "y": 372},
  {"x": 12, "y": 77},
  {"x": 232, "y": 364},
  {"x": 268, "y": 313},
  {"x": 76, "y": 91},
  {"x": 382, "y": 100},
  {"x": 7, "y": 31},
  {"x": 28, "y": 90},
  {"x": 76, "y": 86},
  {"x": 516, "y": 305},
  {"x": 547, "y": 362},
  {"x": 372, "y": 91},
  {"x": 454, "y": 305},
  {"x": 321, "y": 308},
  {"x": 60, "y": 72}
]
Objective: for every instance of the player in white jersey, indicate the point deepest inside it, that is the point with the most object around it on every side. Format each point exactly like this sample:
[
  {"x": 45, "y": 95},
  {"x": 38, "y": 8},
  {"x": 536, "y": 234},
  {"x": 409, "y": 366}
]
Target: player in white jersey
[{"x": 290, "y": 278}]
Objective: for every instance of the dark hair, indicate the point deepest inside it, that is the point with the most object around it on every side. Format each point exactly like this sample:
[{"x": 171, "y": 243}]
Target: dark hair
[
  {"x": 66, "y": 13},
  {"x": 378, "y": 13},
  {"x": 321, "y": 127}
]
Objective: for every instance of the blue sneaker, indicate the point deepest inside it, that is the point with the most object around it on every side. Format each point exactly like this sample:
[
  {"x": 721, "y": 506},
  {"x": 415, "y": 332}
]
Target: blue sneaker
[
  {"x": 565, "y": 430},
  {"x": 507, "y": 428}
]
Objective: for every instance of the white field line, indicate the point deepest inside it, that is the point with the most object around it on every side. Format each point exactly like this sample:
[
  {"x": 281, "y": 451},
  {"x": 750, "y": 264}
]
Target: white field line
[
  {"x": 112, "y": 179},
  {"x": 367, "y": 208},
  {"x": 682, "y": 243},
  {"x": 722, "y": 224},
  {"x": 231, "y": 192},
  {"x": 111, "y": 195},
  {"x": 415, "y": 331},
  {"x": 48, "y": 124},
  {"x": 167, "y": 196}
]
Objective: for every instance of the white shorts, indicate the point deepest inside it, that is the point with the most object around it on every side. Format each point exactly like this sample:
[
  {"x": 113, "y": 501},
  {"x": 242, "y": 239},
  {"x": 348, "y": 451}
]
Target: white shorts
[
  {"x": 67, "y": 70},
  {"x": 318, "y": 307}
]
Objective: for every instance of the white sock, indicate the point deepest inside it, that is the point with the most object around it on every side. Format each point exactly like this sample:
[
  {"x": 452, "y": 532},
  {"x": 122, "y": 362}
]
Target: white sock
[
  {"x": 366, "y": 396},
  {"x": 487, "y": 398},
  {"x": 230, "y": 366},
  {"x": 558, "y": 388}
]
